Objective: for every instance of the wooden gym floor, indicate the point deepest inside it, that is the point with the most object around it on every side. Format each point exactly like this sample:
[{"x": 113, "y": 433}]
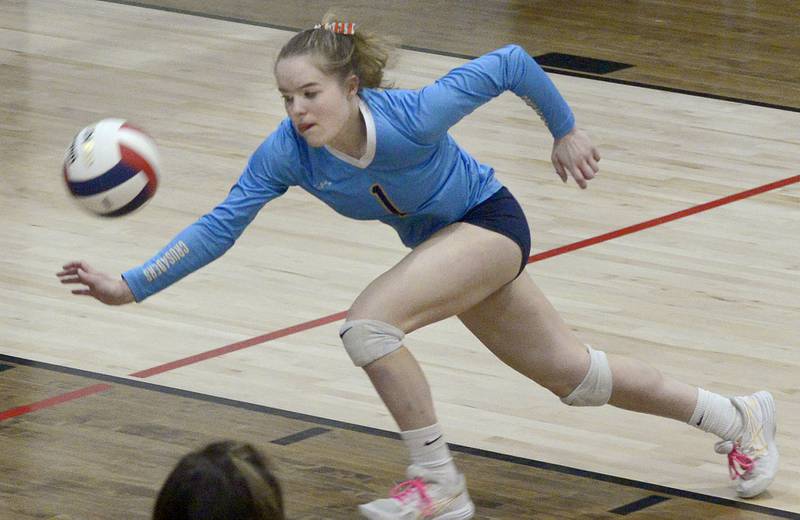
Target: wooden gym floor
[
  {"x": 684, "y": 253},
  {"x": 115, "y": 444}
]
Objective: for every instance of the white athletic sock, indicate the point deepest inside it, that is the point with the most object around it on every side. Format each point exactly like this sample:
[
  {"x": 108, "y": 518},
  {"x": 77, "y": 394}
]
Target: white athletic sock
[
  {"x": 716, "y": 414},
  {"x": 428, "y": 449}
]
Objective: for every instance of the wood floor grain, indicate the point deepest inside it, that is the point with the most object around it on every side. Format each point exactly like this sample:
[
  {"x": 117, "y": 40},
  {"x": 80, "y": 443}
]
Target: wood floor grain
[{"x": 710, "y": 298}]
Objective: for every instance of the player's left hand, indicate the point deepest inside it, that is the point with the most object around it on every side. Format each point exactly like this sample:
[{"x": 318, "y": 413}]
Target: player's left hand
[{"x": 574, "y": 154}]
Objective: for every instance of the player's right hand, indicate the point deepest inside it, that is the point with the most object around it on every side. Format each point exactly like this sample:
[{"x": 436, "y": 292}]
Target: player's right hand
[{"x": 109, "y": 290}]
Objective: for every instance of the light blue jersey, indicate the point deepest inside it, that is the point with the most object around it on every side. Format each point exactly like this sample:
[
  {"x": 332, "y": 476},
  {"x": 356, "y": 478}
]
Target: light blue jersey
[{"x": 413, "y": 176}]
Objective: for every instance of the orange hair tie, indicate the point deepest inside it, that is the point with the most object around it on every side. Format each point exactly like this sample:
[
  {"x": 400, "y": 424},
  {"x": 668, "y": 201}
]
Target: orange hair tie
[{"x": 338, "y": 27}]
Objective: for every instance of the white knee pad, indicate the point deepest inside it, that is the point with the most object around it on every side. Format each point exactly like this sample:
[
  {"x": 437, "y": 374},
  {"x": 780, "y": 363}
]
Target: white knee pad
[
  {"x": 369, "y": 340},
  {"x": 595, "y": 389}
]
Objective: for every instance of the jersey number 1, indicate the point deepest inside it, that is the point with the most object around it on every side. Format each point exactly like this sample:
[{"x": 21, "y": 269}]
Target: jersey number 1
[{"x": 385, "y": 201}]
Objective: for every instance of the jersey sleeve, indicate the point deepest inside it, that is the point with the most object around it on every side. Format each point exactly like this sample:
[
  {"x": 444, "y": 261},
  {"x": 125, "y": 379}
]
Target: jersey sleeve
[
  {"x": 437, "y": 107},
  {"x": 265, "y": 177}
]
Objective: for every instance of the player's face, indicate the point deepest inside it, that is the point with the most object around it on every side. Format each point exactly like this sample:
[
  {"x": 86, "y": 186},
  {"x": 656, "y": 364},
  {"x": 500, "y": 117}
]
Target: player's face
[{"x": 318, "y": 104}]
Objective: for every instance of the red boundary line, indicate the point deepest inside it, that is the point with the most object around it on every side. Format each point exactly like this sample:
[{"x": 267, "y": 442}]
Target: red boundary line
[
  {"x": 20, "y": 410},
  {"x": 47, "y": 403},
  {"x": 662, "y": 220},
  {"x": 233, "y": 347}
]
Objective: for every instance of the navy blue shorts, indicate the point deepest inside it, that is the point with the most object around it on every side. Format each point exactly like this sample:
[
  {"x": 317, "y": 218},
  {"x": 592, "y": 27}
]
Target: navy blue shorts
[{"x": 502, "y": 213}]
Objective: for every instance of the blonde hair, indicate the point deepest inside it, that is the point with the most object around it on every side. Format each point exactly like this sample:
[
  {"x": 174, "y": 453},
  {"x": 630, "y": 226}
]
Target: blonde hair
[{"x": 363, "y": 54}]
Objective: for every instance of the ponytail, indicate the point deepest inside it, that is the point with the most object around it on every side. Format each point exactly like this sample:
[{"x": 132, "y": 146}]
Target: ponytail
[{"x": 341, "y": 49}]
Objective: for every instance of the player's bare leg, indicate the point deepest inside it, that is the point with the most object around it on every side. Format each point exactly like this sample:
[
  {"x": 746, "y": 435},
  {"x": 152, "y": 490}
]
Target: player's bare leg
[
  {"x": 521, "y": 327},
  {"x": 449, "y": 273}
]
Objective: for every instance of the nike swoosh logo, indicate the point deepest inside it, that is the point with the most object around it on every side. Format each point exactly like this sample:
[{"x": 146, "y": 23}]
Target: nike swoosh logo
[{"x": 428, "y": 443}]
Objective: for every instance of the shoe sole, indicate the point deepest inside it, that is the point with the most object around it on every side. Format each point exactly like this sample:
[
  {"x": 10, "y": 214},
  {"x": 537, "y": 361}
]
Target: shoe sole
[{"x": 464, "y": 513}]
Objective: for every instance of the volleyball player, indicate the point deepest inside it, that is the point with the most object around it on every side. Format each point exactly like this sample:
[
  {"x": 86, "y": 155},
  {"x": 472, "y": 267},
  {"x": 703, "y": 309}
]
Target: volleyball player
[{"x": 385, "y": 154}]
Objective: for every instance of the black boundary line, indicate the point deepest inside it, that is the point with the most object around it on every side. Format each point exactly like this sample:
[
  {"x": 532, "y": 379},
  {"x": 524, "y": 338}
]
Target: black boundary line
[
  {"x": 300, "y": 436},
  {"x": 554, "y": 70},
  {"x": 502, "y": 457},
  {"x": 638, "y": 505}
]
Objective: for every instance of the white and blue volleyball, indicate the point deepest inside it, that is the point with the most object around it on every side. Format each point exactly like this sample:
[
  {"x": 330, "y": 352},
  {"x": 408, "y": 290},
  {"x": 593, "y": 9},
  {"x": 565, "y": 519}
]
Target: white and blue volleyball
[{"x": 112, "y": 168}]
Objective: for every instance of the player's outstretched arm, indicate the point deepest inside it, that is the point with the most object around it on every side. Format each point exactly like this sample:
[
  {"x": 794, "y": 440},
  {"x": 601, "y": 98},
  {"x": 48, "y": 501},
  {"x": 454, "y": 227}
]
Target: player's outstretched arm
[
  {"x": 575, "y": 155},
  {"x": 105, "y": 288}
]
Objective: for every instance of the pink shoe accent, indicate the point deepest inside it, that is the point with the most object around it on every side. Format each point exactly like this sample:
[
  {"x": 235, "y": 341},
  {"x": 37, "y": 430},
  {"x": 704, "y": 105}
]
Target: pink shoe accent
[
  {"x": 404, "y": 490},
  {"x": 737, "y": 458}
]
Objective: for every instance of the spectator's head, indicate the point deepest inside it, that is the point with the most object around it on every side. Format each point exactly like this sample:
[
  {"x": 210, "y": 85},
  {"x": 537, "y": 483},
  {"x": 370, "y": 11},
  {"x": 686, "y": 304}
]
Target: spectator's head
[{"x": 225, "y": 480}]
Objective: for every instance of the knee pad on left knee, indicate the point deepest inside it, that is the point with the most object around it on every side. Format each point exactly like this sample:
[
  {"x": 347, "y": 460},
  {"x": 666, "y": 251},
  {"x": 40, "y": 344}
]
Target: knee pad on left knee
[
  {"x": 369, "y": 340},
  {"x": 595, "y": 389}
]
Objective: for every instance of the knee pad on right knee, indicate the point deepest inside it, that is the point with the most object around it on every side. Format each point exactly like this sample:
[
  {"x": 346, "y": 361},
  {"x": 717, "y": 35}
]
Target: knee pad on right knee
[
  {"x": 595, "y": 389},
  {"x": 369, "y": 340}
]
